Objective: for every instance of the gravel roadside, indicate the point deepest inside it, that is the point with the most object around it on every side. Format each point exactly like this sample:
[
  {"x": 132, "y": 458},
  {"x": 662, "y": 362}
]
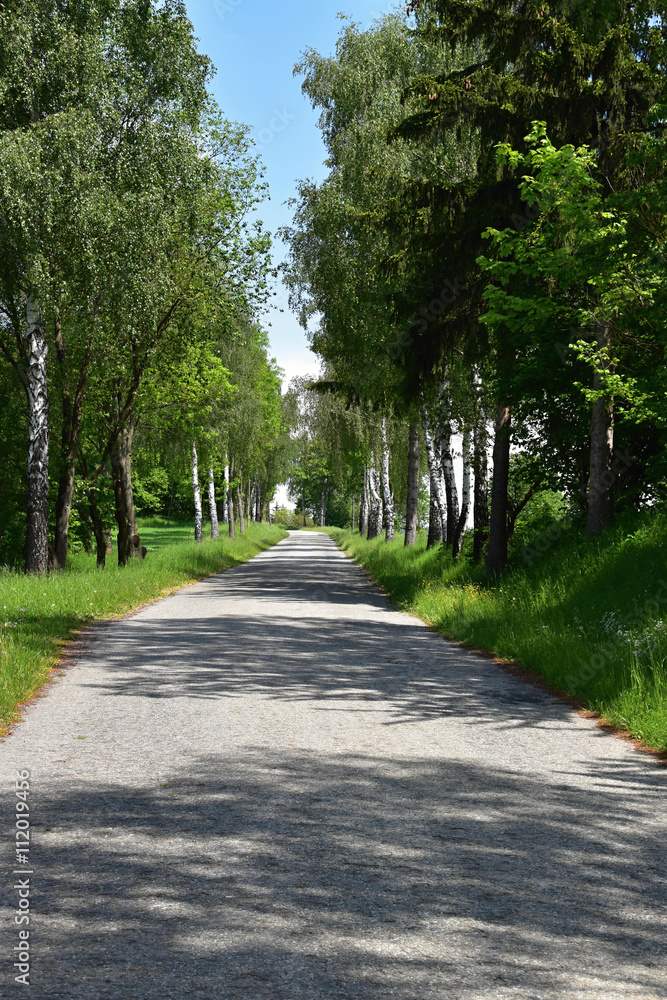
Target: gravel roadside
[{"x": 274, "y": 785}]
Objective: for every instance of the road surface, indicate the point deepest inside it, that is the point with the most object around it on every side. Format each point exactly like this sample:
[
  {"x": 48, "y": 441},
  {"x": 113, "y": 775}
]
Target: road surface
[{"x": 274, "y": 785}]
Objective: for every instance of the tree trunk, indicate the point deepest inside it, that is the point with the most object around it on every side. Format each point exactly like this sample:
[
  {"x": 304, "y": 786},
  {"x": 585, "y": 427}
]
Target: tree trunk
[
  {"x": 601, "y": 478},
  {"x": 434, "y": 522},
  {"x": 303, "y": 506},
  {"x": 121, "y": 467},
  {"x": 363, "y": 505},
  {"x": 443, "y": 448},
  {"x": 229, "y": 473},
  {"x": 199, "y": 535},
  {"x": 37, "y": 537},
  {"x": 375, "y": 512},
  {"x": 497, "y": 554},
  {"x": 412, "y": 505},
  {"x": 460, "y": 528},
  {"x": 258, "y": 503},
  {"x": 225, "y": 500},
  {"x": 323, "y": 502},
  {"x": 436, "y": 476},
  {"x": 389, "y": 515},
  {"x": 353, "y": 519},
  {"x": 212, "y": 504},
  {"x": 101, "y": 536},
  {"x": 239, "y": 500},
  {"x": 481, "y": 506}
]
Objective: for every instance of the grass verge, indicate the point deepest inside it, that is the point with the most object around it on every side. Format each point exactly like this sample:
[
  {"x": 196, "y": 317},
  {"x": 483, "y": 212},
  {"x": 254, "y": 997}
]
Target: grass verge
[
  {"x": 39, "y": 614},
  {"x": 589, "y": 615}
]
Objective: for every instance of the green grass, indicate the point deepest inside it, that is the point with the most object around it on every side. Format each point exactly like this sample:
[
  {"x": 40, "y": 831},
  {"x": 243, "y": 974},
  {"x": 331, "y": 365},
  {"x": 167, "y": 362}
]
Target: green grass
[
  {"x": 589, "y": 615},
  {"x": 39, "y": 614}
]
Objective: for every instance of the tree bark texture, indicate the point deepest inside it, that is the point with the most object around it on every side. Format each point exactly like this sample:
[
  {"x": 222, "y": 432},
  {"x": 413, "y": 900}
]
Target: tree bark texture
[
  {"x": 497, "y": 554},
  {"x": 102, "y": 537},
  {"x": 389, "y": 512},
  {"x": 601, "y": 478},
  {"x": 225, "y": 501},
  {"x": 230, "y": 499},
  {"x": 323, "y": 502},
  {"x": 212, "y": 505},
  {"x": 443, "y": 449},
  {"x": 363, "y": 505},
  {"x": 120, "y": 456},
  {"x": 239, "y": 500},
  {"x": 481, "y": 504},
  {"x": 459, "y": 531},
  {"x": 434, "y": 522},
  {"x": 375, "y": 499},
  {"x": 436, "y": 475},
  {"x": 37, "y": 537},
  {"x": 412, "y": 504},
  {"x": 196, "y": 491}
]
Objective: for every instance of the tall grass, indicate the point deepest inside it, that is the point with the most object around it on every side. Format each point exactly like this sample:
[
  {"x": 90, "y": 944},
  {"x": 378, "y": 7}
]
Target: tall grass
[
  {"x": 590, "y": 615},
  {"x": 39, "y": 614}
]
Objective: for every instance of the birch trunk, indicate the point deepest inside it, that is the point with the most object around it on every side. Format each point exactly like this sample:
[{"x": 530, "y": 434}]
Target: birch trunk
[
  {"x": 434, "y": 522},
  {"x": 230, "y": 499},
  {"x": 437, "y": 479},
  {"x": 497, "y": 554},
  {"x": 443, "y": 447},
  {"x": 323, "y": 502},
  {"x": 121, "y": 466},
  {"x": 199, "y": 535},
  {"x": 239, "y": 500},
  {"x": 375, "y": 502},
  {"x": 459, "y": 531},
  {"x": 412, "y": 505},
  {"x": 389, "y": 514},
  {"x": 363, "y": 505},
  {"x": 601, "y": 478},
  {"x": 37, "y": 537},
  {"x": 225, "y": 500},
  {"x": 212, "y": 504},
  {"x": 481, "y": 506}
]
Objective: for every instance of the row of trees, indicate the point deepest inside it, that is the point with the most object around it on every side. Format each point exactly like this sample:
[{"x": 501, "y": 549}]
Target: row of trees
[
  {"x": 130, "y": 276},
  {"x": 486, "y": 254}
]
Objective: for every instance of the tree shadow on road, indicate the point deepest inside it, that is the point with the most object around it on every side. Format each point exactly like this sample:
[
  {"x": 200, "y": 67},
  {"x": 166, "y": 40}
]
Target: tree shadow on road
[{"x": 295, "y": 876}]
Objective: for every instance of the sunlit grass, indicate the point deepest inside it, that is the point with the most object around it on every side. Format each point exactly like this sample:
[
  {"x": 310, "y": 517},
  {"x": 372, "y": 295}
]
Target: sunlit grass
[
  {"x": 590, "y": 615},
  {"x": 39, "y": 614}
]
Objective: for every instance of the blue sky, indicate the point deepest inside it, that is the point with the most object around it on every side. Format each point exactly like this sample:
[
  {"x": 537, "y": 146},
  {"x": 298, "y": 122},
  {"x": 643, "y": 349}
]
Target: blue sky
[{"x": 254, "y": 45}]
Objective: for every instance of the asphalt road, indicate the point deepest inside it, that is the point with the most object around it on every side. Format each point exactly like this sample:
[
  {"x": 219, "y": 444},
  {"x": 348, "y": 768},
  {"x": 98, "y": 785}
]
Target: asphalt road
[{"x": 273, "y": 785}]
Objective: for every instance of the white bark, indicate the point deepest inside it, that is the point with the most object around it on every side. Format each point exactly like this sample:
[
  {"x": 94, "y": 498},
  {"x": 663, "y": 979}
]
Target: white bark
[
  {"x": 435, "y": 472},
  {"x": 443, "y": 448},
  {"x": 465, "y": 492},
  {"x": 215, "y": 530},
  {"x": 225, "y": 501},
  {"x": 197, "y": 495},
  {"x": 386, "y": 486},
  {"x": 375, "y": 500},
  {"x": 323, "y": 503},
  {"x": 363, "y": 505},
  {"x": 37, "y": 541}
]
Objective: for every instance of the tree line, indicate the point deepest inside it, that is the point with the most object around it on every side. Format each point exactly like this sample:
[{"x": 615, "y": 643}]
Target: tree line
[
  {"x": 482, "y": 268},
  {"x": 131, "y": 278}
]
